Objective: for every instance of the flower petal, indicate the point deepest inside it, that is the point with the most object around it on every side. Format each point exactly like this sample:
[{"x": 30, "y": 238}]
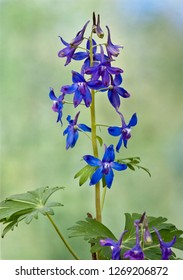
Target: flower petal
[
  {"x": 91, "y": 160},
  {"x": 75, "y": 138},
  {"x": 70, "y": 137},
  {"x": 118, "y": 166},
  {"x": 109, "y": 178},
  {"x": 95, "y": 84},
  {"x": 77, "y": 78},
  {"x": 114, "y": 98},
  {"x": 114, "y": 130},
  {"x": 52, "y": 95},
  {"x": 69, "y": 89},
  {"x": 133, "y": 120},
  {"x": 88, "y": 97},
  {"x": 117, "y": 79},
  {"x": 97, "y": 176},
  {"x": 107, "y": 242},
  {"x": 109, "y": 154},
  {"x": 119, "y": 144},
  {"x": 77, "y": 98},
  {"x": 80, "y": 55},
  {"x": 114, "y": 70},
  {"x": 122, "y": 92},
  {"x": 84, "y": 127}
]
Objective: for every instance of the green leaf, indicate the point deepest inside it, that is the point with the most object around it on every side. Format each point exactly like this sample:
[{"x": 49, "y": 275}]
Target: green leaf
[
  {"x": 133, "y": 163},
  {"x": 100, "y": 140},
  {"x": 93, "y": 231},
  {"x": 26, "y": 206},
  {"x": 85, "y": 173},
  {"x": 90, "y": 229}
]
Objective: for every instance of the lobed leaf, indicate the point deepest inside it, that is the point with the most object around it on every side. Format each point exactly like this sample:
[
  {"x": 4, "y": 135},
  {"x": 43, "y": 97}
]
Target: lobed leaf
[{"x": 26, "y": 206}]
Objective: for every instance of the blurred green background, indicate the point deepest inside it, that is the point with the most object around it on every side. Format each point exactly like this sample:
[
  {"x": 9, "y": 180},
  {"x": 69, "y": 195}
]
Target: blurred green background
[{"x": 32, "y": 146}]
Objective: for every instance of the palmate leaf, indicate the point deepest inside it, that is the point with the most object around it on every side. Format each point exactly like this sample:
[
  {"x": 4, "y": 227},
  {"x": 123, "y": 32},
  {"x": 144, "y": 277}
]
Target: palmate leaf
[
  {"x": 133, "y": 163},
  {"x": 93, "y": 232},
  {"x": 26, "y": 206}
]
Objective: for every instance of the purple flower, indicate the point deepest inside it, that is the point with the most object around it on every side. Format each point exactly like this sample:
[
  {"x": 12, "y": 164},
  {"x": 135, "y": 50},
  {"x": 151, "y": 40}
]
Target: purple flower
[
  {"x": 124, "y": 131},
  {"x": 86, "y": 55},
  {"x": 103, "y": 69},
  {"x": 57, "y": 104},
  {"x": 96, "y": 26},
  {"x": 105, "y": 166},
  {"x": 165, "y": 246},
  {"x": 112, "y": 50},
  {"x": 81, "y": 88},
  {"x": 72, "y": 131},
  {"x": 136, "y": 253},
  {"x": 70, "y": 48},
  {"x": 115, "y": 91},
  {"x": 115, "y": 246}
]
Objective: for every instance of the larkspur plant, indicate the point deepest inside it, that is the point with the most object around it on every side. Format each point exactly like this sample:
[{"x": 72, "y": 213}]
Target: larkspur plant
[{"x": 143, "y": 237}]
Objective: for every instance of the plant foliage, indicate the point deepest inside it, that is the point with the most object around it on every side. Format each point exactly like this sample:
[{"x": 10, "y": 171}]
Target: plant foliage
[{"x": 26, "y": 206}]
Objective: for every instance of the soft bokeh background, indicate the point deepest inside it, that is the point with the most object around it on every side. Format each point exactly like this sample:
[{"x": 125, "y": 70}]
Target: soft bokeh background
[{"x": 32, "y": 147}]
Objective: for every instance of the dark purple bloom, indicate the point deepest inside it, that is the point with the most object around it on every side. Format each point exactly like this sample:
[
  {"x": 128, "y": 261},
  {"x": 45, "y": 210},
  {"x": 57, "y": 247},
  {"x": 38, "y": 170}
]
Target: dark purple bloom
[
  {"x": 165, "y": 246},
  {"x": 115, "y": 91},
  {"x": 57, "y": 104},
  {"x": 136, "y": 253},
  {"x": 115, "y": 246},
  {"x": 105, "y": 166},
  {"x": 81, "y": 88},
  {"x": 72, "y": 46},
  {"x": 72, "y": 131},
  {"x": 112, "y": 50},
  {"x": 124, "y": 131},
  {"x": 103, "y": 69},
  {"x": 96, "y": 26}
]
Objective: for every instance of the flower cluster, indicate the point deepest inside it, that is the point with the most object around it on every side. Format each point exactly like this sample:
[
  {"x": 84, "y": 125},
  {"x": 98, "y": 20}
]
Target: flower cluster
[
  {"x": 97, "y": 74},
  {"x": 137, "y": 252}
]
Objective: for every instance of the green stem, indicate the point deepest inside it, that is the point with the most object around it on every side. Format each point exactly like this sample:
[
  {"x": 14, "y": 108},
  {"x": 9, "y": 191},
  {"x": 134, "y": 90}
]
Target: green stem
[
  {"x": 94, "y": 141},
  {"x": 95, "y": 153},
  {"x": 62, "y": 237},
  {"x": 103, "y": 197}
]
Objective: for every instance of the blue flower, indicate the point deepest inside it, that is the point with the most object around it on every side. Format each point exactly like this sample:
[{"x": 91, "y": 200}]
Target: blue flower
[
  {"x": 81, "y": 88},
  {"x": 105, "y": 166},
  {"x": 115, "y": 91},
  {"x": 71, "y": 47},
  {"x": 57, "y": 104},
  {"x": 103, "y": 69},
  {"x": 112, "y": 50},
  {"x": 115, "y": 246},
  {"x": 165, "y": 246},
  {"x": 136, "y": 253},
  {"x": 72, "y": 131},
  {"x": 124, "y": 131}
]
